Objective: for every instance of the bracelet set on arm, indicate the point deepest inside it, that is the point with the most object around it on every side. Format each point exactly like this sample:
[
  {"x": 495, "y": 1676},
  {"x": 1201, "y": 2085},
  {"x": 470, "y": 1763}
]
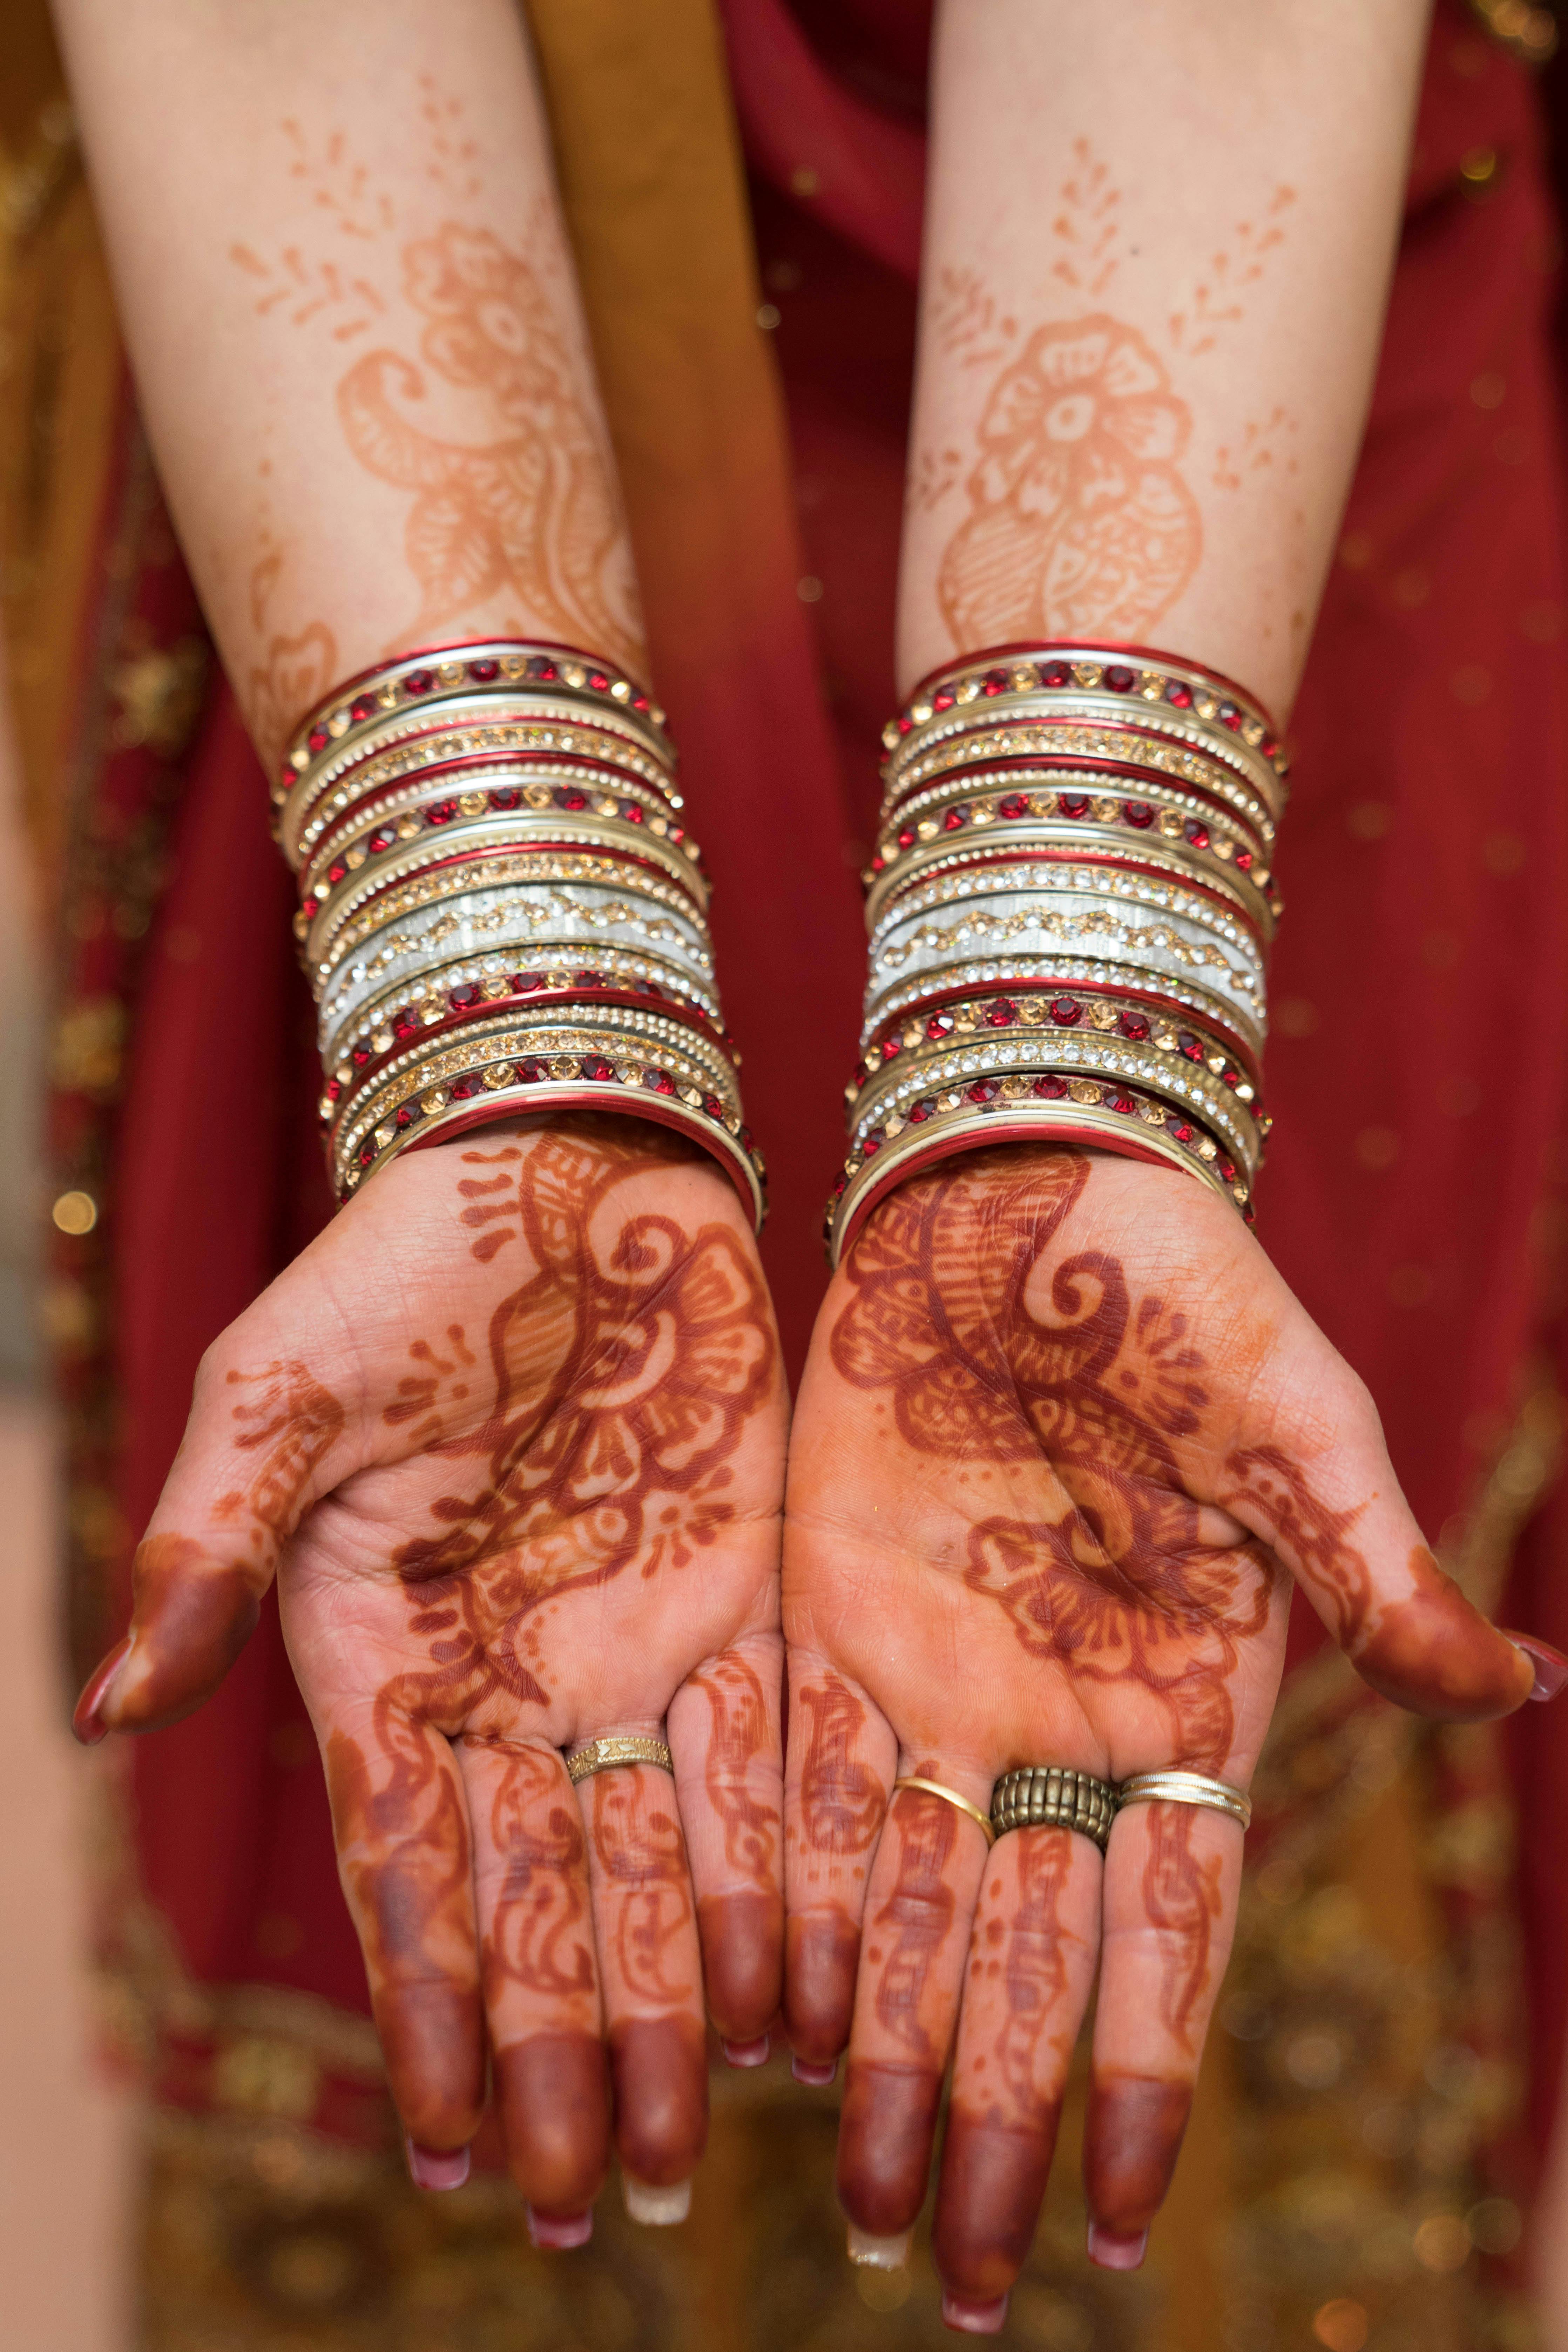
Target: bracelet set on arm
[
  {"x": 1069, "y": 906},
  {"x": 501, "y": 911}
]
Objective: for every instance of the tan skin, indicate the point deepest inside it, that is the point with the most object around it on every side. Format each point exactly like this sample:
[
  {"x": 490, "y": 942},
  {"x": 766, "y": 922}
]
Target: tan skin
[
  {"x": 528, "y": 1496},
  {"x": 1063, "y": 1441}
]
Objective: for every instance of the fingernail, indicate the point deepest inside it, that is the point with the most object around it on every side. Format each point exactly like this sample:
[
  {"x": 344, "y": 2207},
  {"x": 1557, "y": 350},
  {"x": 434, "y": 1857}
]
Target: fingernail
[
  {"x": 974, "y": 2319},
  {"x": 807, "y": 2070},
  {"x": 1113, "y": 2253},
  {"x": 554, "y": 2231},
  {"x": 657, "y": 2208},
  {"x": 1550, "y": 1665},
  {"x": 88, "y": 1723},
  {"x": 437, "y": 2167},
  {"x": 878, "y": 2253},
  {"x": 747, "y": 2053}
]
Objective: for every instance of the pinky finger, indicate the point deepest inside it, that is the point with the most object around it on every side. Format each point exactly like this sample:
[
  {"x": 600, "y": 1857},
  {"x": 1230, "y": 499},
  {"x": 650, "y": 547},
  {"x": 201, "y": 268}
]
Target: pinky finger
[{"x": 1172, "y": 1874}]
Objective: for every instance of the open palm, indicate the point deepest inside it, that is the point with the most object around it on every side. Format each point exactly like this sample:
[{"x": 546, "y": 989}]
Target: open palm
[
  {"x": 512, "y": 1436},
  {"x": 1063, "y": 1439}
]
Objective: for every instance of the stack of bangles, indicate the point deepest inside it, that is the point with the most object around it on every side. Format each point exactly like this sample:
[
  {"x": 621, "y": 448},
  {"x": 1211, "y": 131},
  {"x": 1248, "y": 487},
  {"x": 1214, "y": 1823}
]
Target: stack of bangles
[
  {"x": 501, "y": 911},
  {"x": 1069, "y": 906}
]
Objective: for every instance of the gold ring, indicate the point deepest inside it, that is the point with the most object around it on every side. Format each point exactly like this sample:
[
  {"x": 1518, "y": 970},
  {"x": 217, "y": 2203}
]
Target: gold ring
[
  {"x": 608, "y": 1755},
  {"x": 1053, "y": 1796},
  {"x": 1177, "y": 1788},
  {"x": 948, "y": 1797}
]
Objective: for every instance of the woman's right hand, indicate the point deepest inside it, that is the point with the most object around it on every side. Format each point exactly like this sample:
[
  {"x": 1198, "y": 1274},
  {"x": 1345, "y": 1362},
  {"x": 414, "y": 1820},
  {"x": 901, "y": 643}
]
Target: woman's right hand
[{"x": 511, "y": 1432}]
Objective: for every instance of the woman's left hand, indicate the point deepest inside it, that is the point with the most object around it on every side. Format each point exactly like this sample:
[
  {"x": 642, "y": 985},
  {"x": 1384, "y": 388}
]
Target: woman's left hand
[{"x": 1063, "y": 1441}]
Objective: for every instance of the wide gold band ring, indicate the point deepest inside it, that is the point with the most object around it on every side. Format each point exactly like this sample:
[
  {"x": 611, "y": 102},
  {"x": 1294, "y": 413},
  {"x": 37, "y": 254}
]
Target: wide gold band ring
[
  {"x": 609, "y": 1755},
  {"x": 948, "y": 1797},
  {"x": 1174, "y": 1788}
]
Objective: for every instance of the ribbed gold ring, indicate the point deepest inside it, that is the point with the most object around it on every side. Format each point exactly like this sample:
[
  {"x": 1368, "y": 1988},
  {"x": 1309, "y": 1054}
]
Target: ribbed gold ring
[
  {"x": 1177, "y": 1788},
  {"x": 1053, "y": 1796},
  {"x": 608, "y": 1755},
  {"x": 948, "y": 1797}
]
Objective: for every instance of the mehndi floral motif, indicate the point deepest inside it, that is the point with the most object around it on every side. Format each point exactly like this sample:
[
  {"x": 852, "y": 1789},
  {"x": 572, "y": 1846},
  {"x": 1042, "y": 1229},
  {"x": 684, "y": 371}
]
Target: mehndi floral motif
[{"x": 1080, "y": 522}]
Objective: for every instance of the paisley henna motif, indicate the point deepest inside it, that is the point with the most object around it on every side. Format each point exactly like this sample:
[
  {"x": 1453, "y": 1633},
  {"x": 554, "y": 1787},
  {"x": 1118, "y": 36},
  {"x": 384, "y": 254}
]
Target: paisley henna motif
[
  {"x": 624, "y": 1366},
  {"x": 530, "y": 511}
]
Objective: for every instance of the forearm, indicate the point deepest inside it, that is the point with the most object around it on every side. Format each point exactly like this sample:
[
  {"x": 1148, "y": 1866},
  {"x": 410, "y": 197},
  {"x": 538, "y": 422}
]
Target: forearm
[
  {"x": 1157, "y": 256},
  {"x": 355, "y": 330}
]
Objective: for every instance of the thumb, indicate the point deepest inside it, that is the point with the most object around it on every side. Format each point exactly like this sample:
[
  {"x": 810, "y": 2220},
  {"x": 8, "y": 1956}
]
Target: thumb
[
  {"x": 256, "y": 1451},
  {"x": 1337, "y": 1519}
]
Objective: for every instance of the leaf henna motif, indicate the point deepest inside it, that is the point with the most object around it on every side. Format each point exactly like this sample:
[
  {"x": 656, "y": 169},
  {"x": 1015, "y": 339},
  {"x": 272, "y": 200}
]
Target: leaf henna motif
[{"x": 643, "y": 1854}]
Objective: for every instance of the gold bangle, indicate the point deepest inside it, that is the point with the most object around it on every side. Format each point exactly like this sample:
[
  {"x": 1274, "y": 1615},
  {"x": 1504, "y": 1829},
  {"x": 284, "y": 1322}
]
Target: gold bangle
[
  {"x": 609, "y": 1755},
  {"x": 948, "y": 1797}
]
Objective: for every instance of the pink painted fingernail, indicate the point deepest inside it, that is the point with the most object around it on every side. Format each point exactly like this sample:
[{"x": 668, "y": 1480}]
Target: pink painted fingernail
[
  {"x": 747, "y": 2053},
  {"x": 1113, "y": 2253},
  {"x": 807, "y": 2070},
  {"x": 974, "y": 2319},
  {"x": 1550, "y": 1665},
  {"x": 437, "y": 2167},
  {"x": 87, "y": 1722},
  {"x": 555, "y": 2231}
]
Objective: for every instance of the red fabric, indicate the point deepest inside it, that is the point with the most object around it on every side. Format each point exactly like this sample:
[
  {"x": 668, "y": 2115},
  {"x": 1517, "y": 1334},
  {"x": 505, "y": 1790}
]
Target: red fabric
[{"x": 1417, "y": 1082}]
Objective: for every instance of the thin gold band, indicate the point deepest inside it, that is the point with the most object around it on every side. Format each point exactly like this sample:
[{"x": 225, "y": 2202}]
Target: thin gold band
[{"x": 948, "y": 1797}]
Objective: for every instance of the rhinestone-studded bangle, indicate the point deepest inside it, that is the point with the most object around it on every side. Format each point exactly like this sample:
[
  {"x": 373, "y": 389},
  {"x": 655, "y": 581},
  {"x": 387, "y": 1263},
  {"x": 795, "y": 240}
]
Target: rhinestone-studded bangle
[
  {"x": 457, "y": 805},
  {"x": 1095, "y": 815}
]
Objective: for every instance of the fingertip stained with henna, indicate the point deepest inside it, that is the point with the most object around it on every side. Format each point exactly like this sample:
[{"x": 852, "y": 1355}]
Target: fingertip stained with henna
[
  {"x": 659, "y": 2069},
  {"x": 1133, "y": 2135},
  {"x": 885, "y": 2135},
  {"x": 553, "y": 2094},
  {"x": 742, "y": 1962}
]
